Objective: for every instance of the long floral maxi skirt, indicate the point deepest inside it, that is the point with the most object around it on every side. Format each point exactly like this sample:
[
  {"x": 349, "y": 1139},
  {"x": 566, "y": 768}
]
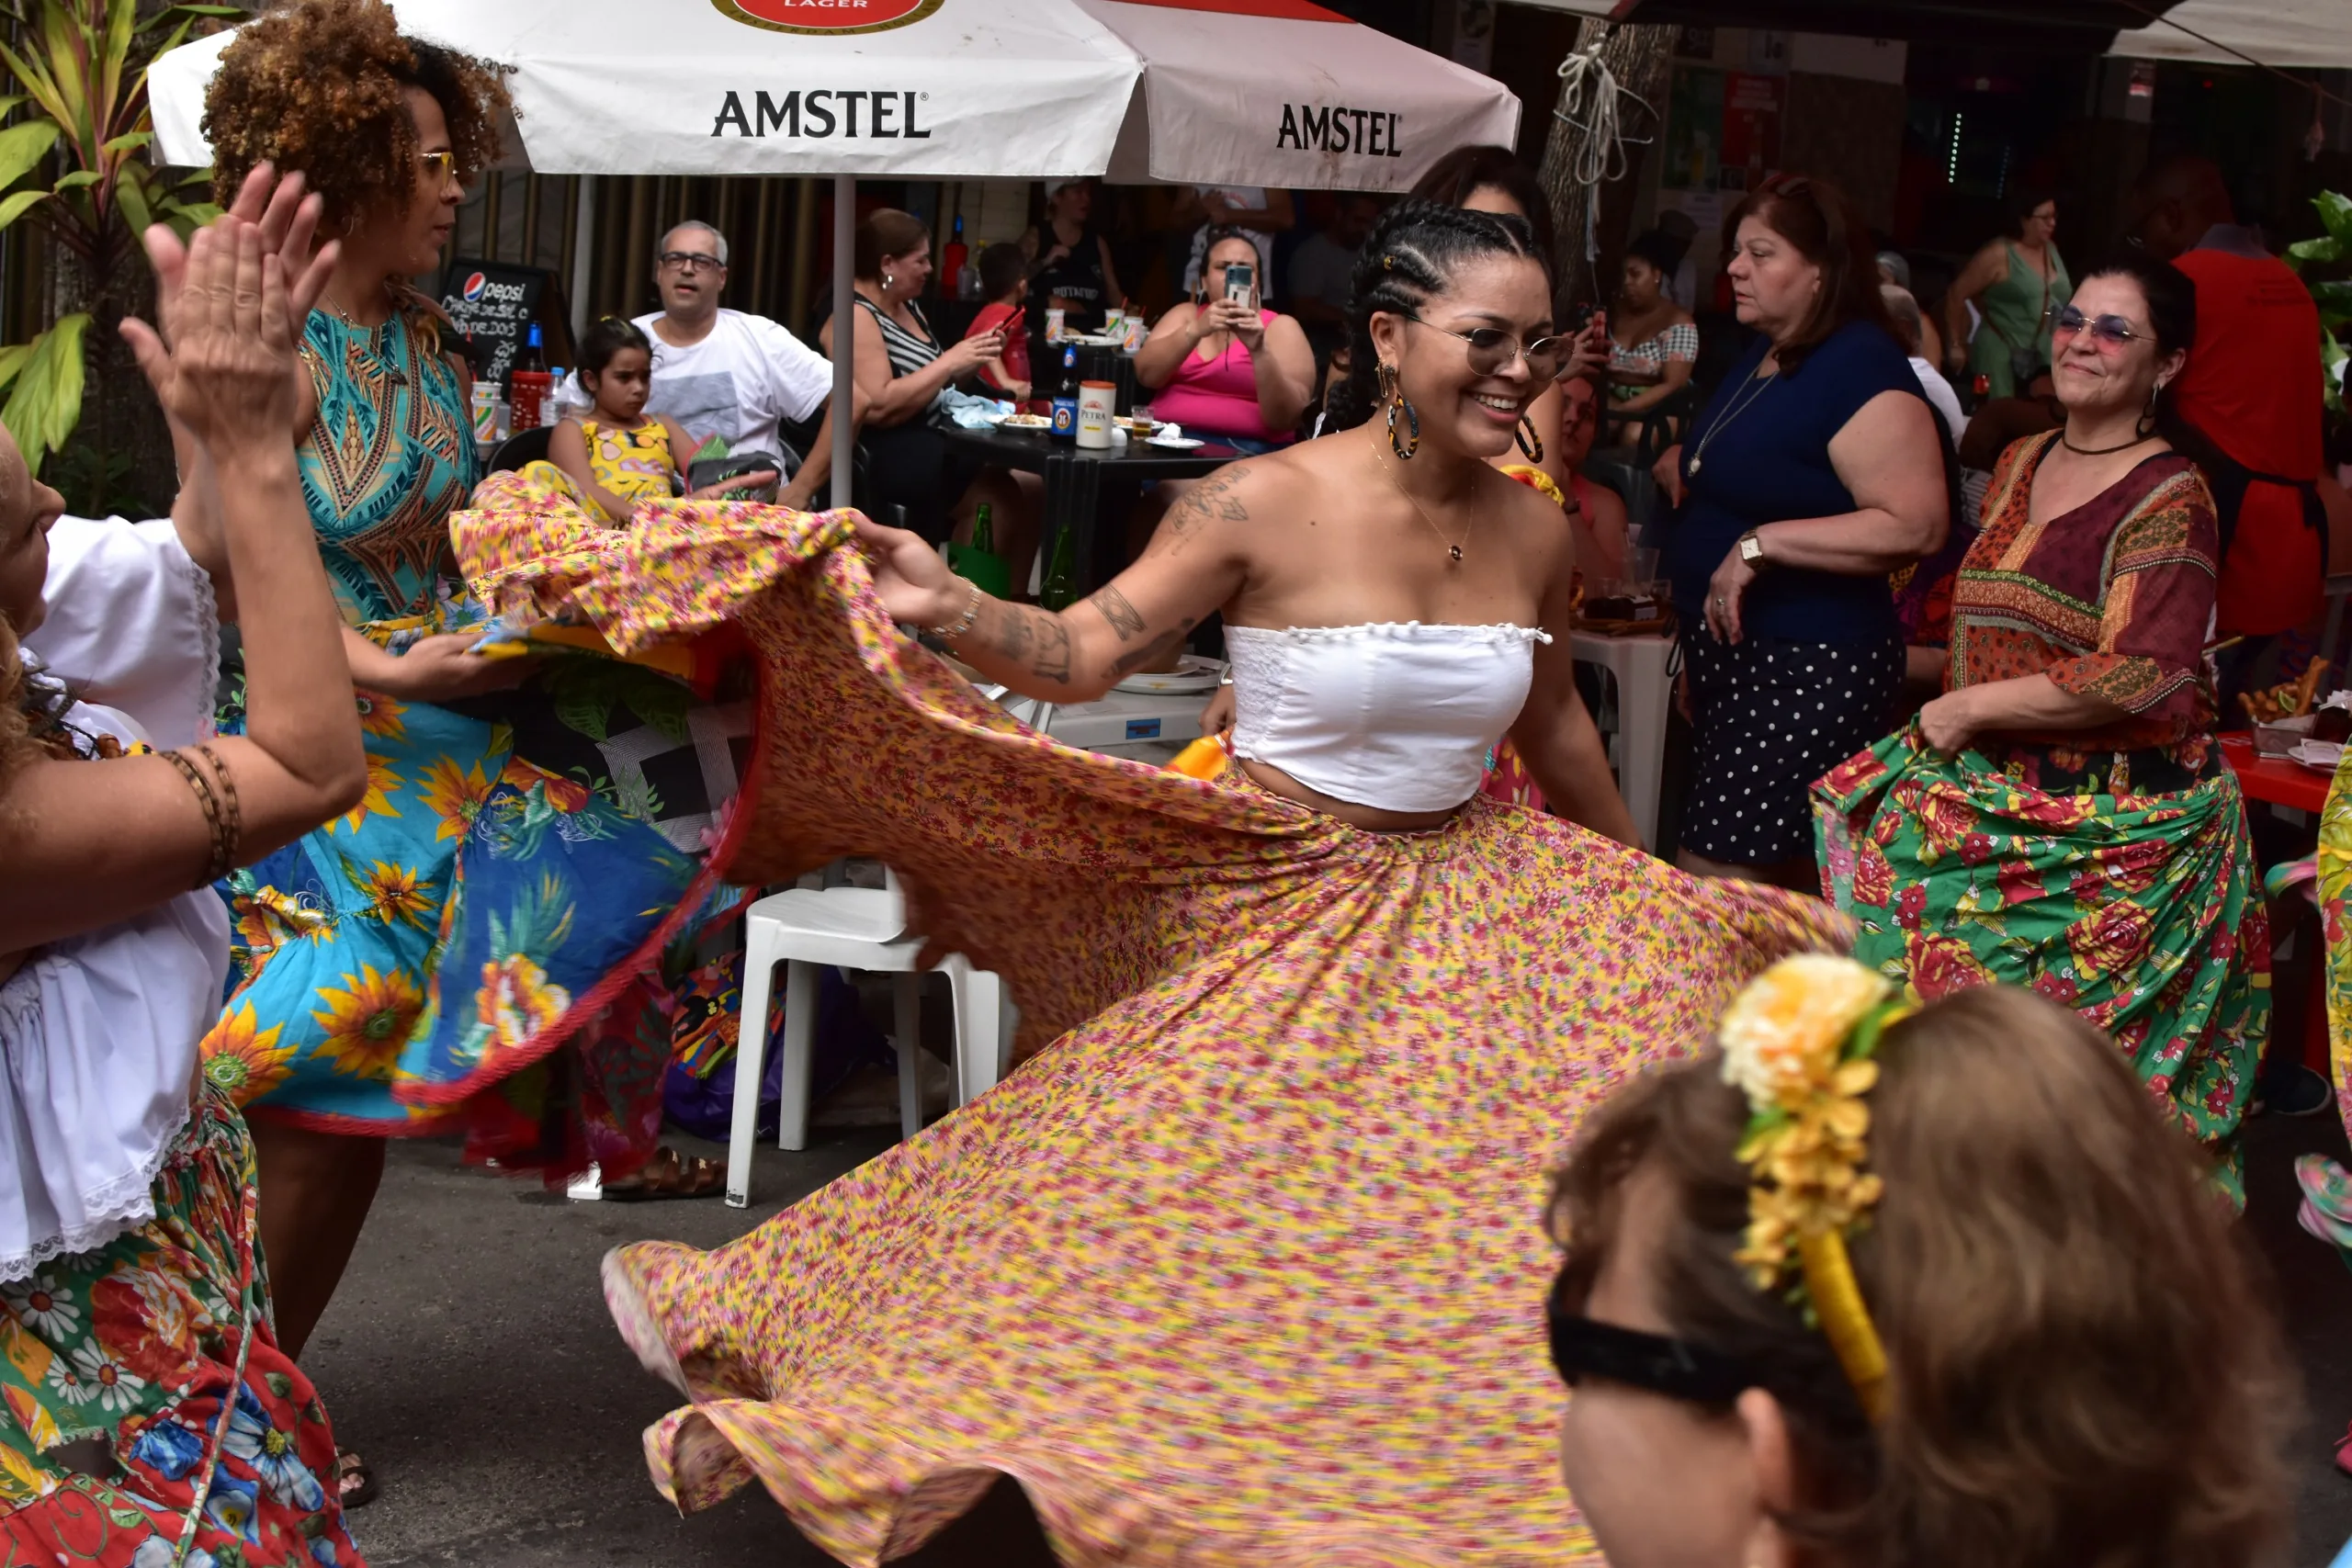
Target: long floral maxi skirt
[
  {"x": 412, "y": 966},
  {"x": 1244, "y": 1264},
  {"x": 132, "y": 1351},
  {"x": 2333, "y": 893},
  {"x": 2143, "y": 913}
]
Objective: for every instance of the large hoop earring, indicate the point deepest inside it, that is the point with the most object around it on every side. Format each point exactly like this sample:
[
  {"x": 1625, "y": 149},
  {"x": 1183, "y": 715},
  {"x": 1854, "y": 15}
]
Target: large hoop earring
[
  {"x": 1394, "y": 396},
  {"x": 1531, "y": 445},
  {"x": 2147, "y": 425}
]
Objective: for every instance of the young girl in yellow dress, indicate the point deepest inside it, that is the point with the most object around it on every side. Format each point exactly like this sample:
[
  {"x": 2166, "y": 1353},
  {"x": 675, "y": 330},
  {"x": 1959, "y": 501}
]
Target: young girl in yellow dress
[{"x": 619, "y": 456}]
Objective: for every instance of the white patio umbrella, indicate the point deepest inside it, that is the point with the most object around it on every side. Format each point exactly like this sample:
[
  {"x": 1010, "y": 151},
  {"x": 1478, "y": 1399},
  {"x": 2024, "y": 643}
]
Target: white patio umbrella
[
  {"x": 1260, "y": 92},
  {"x": 1285, "y": 93},
  {"x": 899, "y": 89}
]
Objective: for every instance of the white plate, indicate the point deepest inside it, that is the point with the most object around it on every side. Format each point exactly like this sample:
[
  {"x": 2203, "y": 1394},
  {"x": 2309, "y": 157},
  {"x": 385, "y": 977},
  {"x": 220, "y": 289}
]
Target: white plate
[
  {"x": 2322, "y": 755},
  {"x": 1025, "y": 423},
  {"x": 1192, "y": 674},
  {"x": 1174, "y": 443}
]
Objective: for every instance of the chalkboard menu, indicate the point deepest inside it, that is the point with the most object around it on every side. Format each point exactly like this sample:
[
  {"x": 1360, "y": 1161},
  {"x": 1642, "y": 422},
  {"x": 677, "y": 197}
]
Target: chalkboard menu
[{"x": 496, "y": 303}]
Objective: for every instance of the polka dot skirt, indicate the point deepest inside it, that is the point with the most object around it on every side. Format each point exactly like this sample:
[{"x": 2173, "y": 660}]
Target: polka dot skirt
[{"x": 1771, "y": 718}]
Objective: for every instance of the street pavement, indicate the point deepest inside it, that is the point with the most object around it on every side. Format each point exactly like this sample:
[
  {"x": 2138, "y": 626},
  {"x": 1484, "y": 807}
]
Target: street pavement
[{"x": 469, "y": 1358}]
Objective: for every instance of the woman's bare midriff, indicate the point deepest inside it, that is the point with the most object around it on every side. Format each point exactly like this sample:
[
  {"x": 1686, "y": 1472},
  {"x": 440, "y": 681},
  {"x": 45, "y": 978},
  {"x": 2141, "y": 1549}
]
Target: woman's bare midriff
[{"x": 1372, "y": 820}]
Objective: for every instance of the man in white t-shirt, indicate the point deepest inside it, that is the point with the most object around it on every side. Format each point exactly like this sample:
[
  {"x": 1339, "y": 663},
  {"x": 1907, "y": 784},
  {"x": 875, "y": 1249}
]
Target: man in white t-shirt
[
  {"x": 1913, "y": 326},
  {"x": 726, "y": 373}
]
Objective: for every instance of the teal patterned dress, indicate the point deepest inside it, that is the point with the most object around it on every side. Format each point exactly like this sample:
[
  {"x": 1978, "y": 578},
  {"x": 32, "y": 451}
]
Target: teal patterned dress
[{"x": 414, "y": 965}]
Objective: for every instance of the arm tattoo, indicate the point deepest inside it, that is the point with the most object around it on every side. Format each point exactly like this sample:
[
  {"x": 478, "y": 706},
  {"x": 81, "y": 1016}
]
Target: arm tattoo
[
  {"x": 1209, "y": 501},
  {"x": 1125, "y": 618},
  {"x": 1035, "y": 638},
  {"x": 1052, "y": 662},
  {"x": 1128, "y": 663}
]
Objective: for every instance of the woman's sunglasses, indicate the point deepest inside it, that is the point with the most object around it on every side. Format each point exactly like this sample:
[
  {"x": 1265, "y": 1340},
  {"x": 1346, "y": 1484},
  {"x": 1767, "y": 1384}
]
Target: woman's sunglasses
[
  {"x": 1492, "y": 348},
  {"x": 1585, "y": 1348},
  {"x": 2111, "y": 332},
  {"x": 442, "y": 166}
]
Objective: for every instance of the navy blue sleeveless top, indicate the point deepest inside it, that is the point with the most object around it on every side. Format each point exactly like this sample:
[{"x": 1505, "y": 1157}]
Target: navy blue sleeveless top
[{"x": 1770, "y": 463}]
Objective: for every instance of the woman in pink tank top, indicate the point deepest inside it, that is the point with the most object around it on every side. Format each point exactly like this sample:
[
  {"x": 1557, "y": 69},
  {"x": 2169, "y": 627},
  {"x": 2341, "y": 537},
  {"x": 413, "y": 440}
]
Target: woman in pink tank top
[{"x": 1228, "y": 372}]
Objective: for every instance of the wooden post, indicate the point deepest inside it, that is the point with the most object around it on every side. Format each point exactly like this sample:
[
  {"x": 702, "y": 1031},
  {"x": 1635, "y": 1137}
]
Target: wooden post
[{"x": 1638, "y": 56}]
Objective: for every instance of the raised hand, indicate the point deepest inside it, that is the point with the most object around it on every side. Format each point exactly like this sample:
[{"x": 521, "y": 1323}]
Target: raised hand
[
  {"x": 227, "y": 376},
  {"x": 287, "y": 219}
]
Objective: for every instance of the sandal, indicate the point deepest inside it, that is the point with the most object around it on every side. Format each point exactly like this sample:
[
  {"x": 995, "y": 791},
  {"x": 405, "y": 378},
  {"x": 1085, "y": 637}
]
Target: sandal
[
  {"x": 667, "y": 1174},
  {"x": 354, "y": 1484}
]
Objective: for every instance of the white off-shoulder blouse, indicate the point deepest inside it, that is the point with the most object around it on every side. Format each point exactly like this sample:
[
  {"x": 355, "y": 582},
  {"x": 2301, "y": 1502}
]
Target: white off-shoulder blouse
[{"x": 98, "y": 1033}]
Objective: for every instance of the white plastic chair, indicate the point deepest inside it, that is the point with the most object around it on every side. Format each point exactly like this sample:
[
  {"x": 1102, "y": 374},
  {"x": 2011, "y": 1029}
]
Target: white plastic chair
[{"x": 853, "y": 928}]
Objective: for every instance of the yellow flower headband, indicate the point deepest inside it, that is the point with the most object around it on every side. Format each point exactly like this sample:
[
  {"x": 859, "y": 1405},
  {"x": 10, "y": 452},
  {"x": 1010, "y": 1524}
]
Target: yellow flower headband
[{"x": 1798, "y": 1041}]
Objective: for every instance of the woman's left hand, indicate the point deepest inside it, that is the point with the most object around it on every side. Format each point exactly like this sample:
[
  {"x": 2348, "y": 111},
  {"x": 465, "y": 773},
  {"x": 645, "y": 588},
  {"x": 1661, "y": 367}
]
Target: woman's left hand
[
  {"x": 1949, "y": 722},
  {"x": 1724, "y": 591}
]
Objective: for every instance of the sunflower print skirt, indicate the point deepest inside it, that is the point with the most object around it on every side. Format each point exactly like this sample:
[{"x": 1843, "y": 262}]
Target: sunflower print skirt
[
  {"x": 2141, "y": 911},
  {"x": 411, "y": 967},
  {"x": 133, "y": 1352},
  {"x": 1244, "y": 1263}
]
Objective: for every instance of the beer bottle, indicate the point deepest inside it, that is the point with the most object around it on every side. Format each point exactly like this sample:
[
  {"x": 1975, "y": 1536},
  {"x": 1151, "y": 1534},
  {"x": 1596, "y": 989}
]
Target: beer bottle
[
  {"x": 983, "y": 533},
  {"x": 1059, "y": 589},
  {"x": 1066, "y": 396}
]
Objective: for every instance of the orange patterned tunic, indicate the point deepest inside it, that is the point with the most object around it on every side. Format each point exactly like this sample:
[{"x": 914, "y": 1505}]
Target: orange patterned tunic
[{"x": 2111, "y": 600}]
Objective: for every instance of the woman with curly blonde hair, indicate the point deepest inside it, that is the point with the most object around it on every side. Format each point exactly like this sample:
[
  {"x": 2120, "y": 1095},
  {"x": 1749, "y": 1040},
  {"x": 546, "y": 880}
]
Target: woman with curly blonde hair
[
  {"x": 151, "y": 1415},
  {"x": 424, "y": 955}
]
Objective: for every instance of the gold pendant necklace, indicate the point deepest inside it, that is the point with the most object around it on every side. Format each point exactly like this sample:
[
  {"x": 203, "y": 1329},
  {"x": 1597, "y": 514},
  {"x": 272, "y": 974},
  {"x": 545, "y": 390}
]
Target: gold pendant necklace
[
  {"x": 1698, "y": 455},
  {"x": 1453, "y": 550}
]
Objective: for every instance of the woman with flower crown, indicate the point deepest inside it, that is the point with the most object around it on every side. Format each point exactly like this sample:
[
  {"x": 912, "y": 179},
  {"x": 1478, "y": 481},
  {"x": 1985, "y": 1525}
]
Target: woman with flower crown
[
  {"x": 149, "y": 1416},
  {"x": 1226, "y": 1270},
  {"x": 1879, "y": 1283}
]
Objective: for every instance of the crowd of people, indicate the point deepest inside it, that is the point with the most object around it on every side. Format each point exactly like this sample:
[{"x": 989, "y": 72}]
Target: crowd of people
[{"x": 1869, "y": 1168}]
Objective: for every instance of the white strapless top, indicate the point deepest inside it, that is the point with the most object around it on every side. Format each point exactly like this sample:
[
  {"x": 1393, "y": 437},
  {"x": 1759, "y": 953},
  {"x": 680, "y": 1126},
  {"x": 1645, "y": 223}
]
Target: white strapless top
[{"x": 1396, "y": 716}]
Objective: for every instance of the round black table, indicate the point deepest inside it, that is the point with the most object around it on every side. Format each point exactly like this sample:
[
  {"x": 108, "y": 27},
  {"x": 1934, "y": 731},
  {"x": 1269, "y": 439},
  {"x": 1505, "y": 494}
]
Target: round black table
[{"x": 1074, "y": 477}]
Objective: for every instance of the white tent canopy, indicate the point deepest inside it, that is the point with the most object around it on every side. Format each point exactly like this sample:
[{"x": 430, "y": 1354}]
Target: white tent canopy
[{"x": 2290, "y": 34}]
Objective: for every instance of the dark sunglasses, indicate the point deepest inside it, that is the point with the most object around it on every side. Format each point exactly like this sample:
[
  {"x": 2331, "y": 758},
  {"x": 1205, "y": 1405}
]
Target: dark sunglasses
[
  {"x": 2112, "y": 332},
  {"x": 690, "y": 261},
  {"x": 1492, "y": 348},
  {"x": 1585, "y": 1348}
]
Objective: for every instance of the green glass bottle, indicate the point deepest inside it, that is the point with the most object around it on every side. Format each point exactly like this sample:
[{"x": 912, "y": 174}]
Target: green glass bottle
[
  {"x": 1059, "y": 590},
  {"x": 983, "y": 532}
]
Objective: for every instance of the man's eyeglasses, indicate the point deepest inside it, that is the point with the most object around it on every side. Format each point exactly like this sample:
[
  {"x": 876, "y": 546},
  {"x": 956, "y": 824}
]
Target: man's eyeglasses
[
  {"x": 2111, "y": 332},
  {"x": 441, "y": 165},
  {"x": 691, "y": 260},
  {"x": 1492, "y": 348}
]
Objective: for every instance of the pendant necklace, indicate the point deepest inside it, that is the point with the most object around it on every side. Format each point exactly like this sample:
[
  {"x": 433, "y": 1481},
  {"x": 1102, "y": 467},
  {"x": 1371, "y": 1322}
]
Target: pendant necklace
[
  {"x": 1739, "y": 405},
  {"x": 1453, "y": 550}
]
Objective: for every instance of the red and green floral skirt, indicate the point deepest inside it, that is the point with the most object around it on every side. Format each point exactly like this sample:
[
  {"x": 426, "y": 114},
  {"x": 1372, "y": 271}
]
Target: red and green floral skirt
[
  {"x": 152, "y": 1421},
  {"x": 2142, "y": 911}
]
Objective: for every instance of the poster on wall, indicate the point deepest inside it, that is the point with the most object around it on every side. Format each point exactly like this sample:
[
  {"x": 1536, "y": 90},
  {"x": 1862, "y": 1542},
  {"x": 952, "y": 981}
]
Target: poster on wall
[
  {"x": 1694, "y": 129},
  {"x": 492, "y": 303},
  {"x": 1749, "y": 129}
]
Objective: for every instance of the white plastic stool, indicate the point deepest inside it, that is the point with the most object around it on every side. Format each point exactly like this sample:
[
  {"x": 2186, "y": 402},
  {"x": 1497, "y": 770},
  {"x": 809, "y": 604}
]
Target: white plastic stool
[{"x": 853, "y": 928}]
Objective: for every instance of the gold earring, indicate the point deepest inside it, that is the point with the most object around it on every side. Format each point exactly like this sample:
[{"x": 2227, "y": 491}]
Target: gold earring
[
  {"x": 1393, "y": 394},
  {"x": 1531, "y": 445}
]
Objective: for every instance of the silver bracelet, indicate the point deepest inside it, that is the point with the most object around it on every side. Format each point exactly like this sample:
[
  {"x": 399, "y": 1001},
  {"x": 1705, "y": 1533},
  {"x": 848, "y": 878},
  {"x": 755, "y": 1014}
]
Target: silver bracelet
[{"x": 963, "y": 623}]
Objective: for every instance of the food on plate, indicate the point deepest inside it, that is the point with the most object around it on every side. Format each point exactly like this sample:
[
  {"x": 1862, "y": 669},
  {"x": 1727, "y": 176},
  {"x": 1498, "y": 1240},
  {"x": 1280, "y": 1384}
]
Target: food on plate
[{"x": 2292, "y": 700}]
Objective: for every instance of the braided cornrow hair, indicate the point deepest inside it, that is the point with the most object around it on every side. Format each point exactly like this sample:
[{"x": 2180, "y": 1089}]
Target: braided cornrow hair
[{"x": 1412, "y": 255}]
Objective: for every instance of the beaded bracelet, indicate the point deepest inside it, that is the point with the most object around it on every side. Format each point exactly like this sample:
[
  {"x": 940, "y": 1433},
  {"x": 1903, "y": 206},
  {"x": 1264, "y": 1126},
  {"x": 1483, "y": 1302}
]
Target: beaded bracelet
[
  {"x": 215, "y": 820},
  {"x": 233, "y": 838},
  {"x": 957, "y": 628}
]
